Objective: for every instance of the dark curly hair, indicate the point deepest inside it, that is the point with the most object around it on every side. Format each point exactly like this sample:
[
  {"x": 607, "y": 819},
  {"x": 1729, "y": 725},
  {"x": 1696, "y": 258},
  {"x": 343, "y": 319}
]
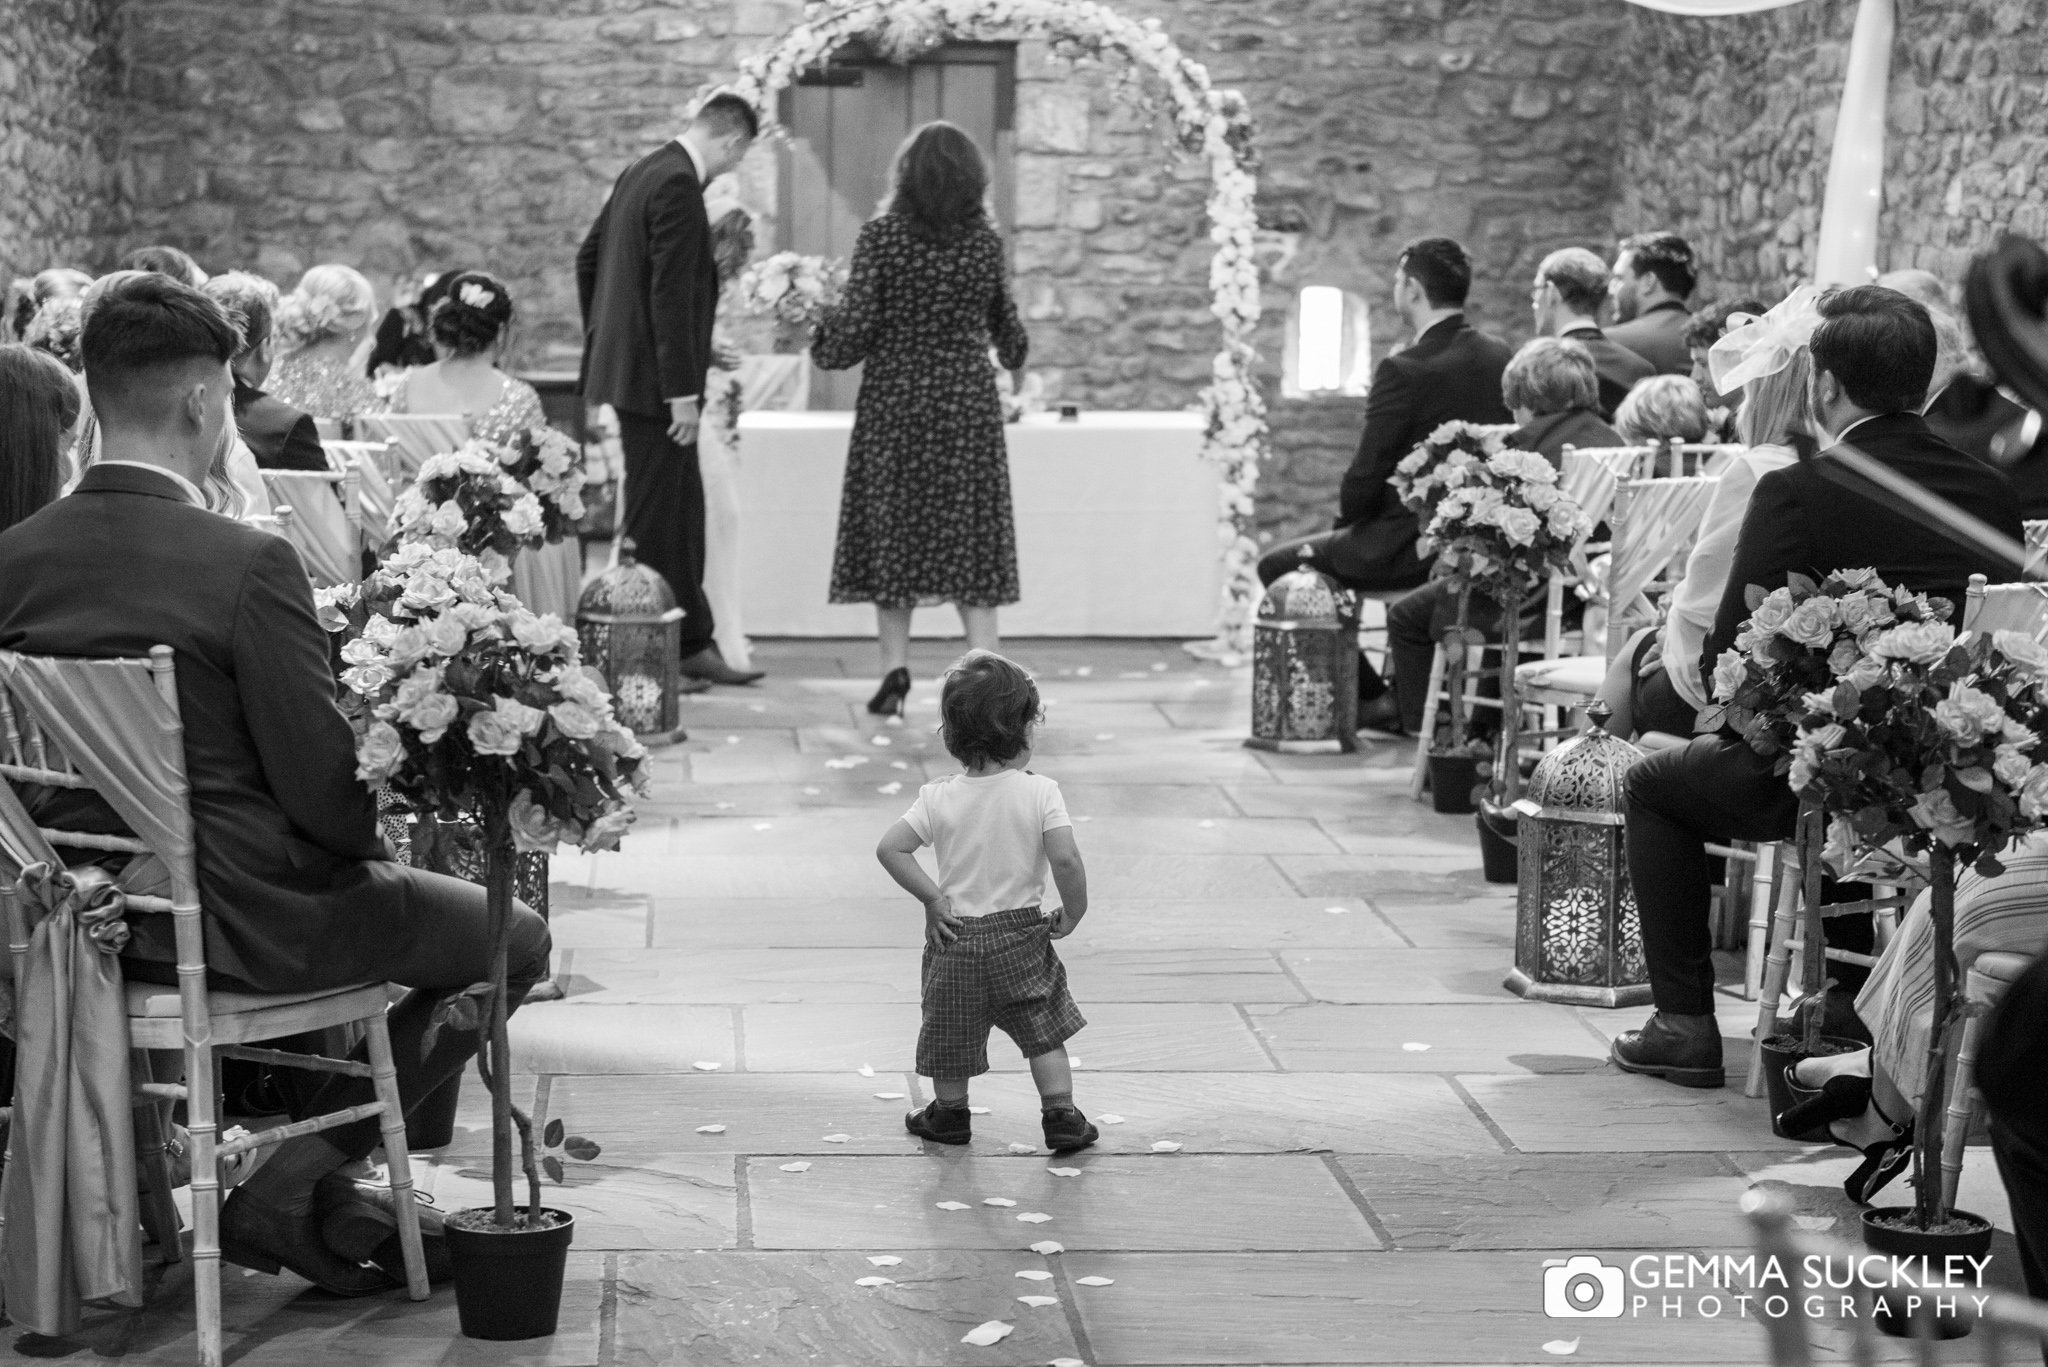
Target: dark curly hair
[
  {"x": 988, "y": 705},
  {"x": 940, "y": 181},
  {"x": 471, "y": 314}
]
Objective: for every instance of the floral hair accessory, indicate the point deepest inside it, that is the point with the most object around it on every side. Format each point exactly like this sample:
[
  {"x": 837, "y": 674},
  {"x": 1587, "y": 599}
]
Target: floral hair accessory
[
  {"x": 476, "y": 296},
  {"x": 1754, "y": 347}
]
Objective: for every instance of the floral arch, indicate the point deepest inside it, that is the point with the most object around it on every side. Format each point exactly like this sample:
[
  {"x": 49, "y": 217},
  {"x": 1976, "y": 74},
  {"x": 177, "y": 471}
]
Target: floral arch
[{"x": 1213, "y": 124}]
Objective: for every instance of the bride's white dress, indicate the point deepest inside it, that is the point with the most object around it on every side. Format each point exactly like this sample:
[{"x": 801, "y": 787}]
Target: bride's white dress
[{"x": 766, "y": 382}]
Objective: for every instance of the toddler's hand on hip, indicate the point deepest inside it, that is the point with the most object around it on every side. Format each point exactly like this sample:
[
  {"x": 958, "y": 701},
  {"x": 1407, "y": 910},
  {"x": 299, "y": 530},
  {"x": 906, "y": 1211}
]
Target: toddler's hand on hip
[
  {"x": 941, "y": 926},
  {"x": 1063, "y": 925}
]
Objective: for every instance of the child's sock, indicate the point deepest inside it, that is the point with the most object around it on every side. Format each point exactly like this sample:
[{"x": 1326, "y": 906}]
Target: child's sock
[
  {"x": 1055, "y": 1101},
  {"x": 957, "y": 1104}
]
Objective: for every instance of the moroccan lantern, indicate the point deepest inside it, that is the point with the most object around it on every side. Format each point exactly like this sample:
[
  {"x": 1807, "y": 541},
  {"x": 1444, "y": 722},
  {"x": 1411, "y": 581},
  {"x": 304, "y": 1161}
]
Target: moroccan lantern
[
  {"x": 1305, "y": 665},
  {"x": 1578, "y": 936},
  {"x": 632, "y": 633}
]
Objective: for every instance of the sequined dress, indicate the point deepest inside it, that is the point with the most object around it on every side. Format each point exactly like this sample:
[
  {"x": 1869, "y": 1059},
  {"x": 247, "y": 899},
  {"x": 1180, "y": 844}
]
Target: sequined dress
[{"x": 322, "y": 386}]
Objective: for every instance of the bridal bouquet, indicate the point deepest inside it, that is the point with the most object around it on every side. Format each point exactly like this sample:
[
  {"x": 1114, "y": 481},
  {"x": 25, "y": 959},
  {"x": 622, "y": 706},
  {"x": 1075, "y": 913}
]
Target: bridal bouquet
[
  {"x": 492, "y": 497},
  {"x": 1501, "y": 523},
  {"x": 1444, "y": 462},
  {"x": 796, "y": 290},
  {"x": 462, "y": 697}
]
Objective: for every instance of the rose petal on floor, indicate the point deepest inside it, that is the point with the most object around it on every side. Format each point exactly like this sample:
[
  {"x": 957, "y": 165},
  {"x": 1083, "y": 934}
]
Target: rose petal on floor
[
  {"x": 711, "y": 1129},
  {"x": 1095, "y": 1281},
  {"x": 837, "y": 1138},
  {"x": 886, "y": 1260},
  {"x": 764, "y": 826},
  {"x": 1110, "y": 1119},
  {"x": 706, "y": 1066},
  {"x": 732, "y": 740},
  {"x": 997, "y": 1201},
  {"x": 890, "y": 789},
  {"x": 977, "y": 1110},
  {"x": 865, "y": 1070},
  {"x": 873, "y": 1281},
  {"x": 1066, "y": 1362},
  {"x": 1032, "y": 1274},
  {"x": 1814, "y": 1223},
  {"x": 796, "y": 1167},
  {"x": 1045, "y": 1248},
  {"x": 1206, "y": 825},
  {"x": 982, "y": 1335},
  {"x": 724, "y": 806},
  {"x": 1338, "y": 911},
  {"x": 884, "y": 740},
  {"x": 1064, "y": 1172},
  {"x": 898, "y": 764},
  {"x": 1166, "y": 1146},
  {"x": 1562, "y": 1347},
  {"x": 954, "y": 1205},
  {"x": 890, "y": 1096},
  {"x": 1023, "y": 1148},
  {"x": 1413, "y": 1047},
  {"x": 1034, "y": 1217},
  {"x": 1039, "y": 1302},
  {"x": 813, "y": 792}
]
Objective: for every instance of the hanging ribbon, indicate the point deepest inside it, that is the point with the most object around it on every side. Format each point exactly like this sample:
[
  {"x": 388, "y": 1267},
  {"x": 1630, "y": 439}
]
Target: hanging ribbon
[{"x": 88, "y": 894}]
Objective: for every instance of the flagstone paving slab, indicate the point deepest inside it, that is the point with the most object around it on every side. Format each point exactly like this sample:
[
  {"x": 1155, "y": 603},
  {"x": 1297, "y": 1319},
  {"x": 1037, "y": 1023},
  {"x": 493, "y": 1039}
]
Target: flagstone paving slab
[
  {"x": 1151, "y": 1201},
  {"x": 735, "y": 975},
  {"x": 1404, "y": 975},
  {"x": 1370, "y": 875},
  {"x": 1154, "y": 1037},
  {"x": 653, "y": 1119},
  {"x": 750, "y": 1309},
  {"x": 555, "y": 1037},
  {"x": 1175, "y": 975},
  {"x": 622, "y": 1200},
  {"x": 1442, "y": 918},
  {"x": 1613, "y": 1112},
  {"x": 1509, "y": 1037}
]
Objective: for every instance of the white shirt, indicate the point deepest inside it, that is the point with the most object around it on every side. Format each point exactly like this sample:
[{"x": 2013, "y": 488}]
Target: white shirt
[
  {"x": 989, "y": 836},
  {"x": 1697, "y": 599}
]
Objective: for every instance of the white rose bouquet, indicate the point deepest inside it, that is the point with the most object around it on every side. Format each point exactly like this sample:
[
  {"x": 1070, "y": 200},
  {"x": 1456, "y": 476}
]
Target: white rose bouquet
[
  {"x": 795, "y": 290},
  {"x": 497, "y": 498},
  {"x": 1501, "y": 523},
  {"x": 1445, "y": 462}
]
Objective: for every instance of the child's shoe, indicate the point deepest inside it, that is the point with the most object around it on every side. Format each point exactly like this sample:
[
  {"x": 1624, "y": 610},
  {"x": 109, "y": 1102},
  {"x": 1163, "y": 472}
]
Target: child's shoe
[
  {"x": 941, "y": 1124},
  {"x": 1066, "y": 1129}
]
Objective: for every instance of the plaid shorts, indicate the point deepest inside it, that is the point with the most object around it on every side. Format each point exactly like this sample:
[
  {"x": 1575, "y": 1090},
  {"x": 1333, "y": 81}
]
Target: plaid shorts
[{"x": 1002, "y": 972}]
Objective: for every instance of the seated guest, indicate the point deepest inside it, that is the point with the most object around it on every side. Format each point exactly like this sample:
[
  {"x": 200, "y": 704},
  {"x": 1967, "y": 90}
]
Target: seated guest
[
  {"x": 1570, "y": 287},
  {"x": 297, "y": 892},
  {"x": 1708, "y": 326},
  {"x": 1662, "y": 408},
  {"x": 1873, "y": 355},
  {"x": 1550, "y": 386},
  {"x": 169, "y": 261},
  {"x": 1653, "y": 277},
  {"x": 1656, "y": 684},
  {"x": 404, "y": 338},
  {"x": 1923, "y": 285},
  {"x": 1970, "y": 413},
  {"x": 54, "y": 330},
  {"x": 39, "y": 407},
  {"x": 2009, "y": 1072},
  {"x": 278, "y": 435},
  {"x": 320, "y": 324},
  {"x": 1451, "y": 373},
  {"x": 1869, "y": 1098},
  {"x": 26, "y": 297},
  {"x": 469, "y": 325}
]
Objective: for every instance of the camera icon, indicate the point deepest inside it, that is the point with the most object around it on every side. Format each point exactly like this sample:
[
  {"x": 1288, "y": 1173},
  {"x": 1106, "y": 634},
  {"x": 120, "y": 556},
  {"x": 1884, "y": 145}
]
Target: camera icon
[{"x": 1584, "y": 1288}]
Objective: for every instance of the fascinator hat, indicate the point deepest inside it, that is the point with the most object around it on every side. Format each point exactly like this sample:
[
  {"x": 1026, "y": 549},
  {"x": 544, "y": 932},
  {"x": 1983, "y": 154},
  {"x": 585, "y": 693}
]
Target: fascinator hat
[{"x": 1754, "y": 347}]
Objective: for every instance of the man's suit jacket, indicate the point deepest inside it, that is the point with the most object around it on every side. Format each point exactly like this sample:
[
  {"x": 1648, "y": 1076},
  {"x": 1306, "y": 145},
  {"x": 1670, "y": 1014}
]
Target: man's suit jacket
[
  {"x": 1801, "y": 520},
  {"x": 281, "y": 437},
  {"x": 648, "y": 284},
  {"x": 1657, "y": 334},
  {"x": 293, "y": 882},
  {"x": 1614, "y": 365},
  {"x": 1451, "y": 373}
]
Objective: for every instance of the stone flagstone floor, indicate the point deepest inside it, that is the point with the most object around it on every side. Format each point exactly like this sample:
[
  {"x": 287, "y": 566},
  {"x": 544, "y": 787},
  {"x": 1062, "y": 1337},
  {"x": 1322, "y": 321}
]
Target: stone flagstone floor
[{"x": 1336, "y": 1139}]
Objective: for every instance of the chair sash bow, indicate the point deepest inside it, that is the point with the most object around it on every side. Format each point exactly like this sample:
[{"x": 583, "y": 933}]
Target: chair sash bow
[{"x": 88, "y": 894}]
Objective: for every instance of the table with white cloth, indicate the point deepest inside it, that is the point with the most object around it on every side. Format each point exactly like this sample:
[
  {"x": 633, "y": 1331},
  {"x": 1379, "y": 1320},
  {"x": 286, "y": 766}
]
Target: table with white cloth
[{"x": 1116, "y": 527}]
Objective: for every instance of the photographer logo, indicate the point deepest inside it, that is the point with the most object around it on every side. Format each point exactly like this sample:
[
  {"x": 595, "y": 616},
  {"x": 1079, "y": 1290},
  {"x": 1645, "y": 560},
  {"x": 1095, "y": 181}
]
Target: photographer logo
[{"x": 1583, "y": 1287}]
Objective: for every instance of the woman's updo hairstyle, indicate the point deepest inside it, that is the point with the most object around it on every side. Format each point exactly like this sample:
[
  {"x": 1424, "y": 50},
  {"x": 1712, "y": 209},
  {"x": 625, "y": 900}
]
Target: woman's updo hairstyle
[
  {"x": 330, "y": 301},
  {"x": 940, "y": 182},
  {"x": 472, "y": 314}
]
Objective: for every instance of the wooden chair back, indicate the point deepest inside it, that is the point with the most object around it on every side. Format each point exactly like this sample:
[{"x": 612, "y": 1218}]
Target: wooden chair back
[
  {"x": 413, "y": 437},
  {"x": 1655, "y": 522},
  {"x": 326, "y": 525},
  {"x": 2006, "y": 607},
  {"x": 377, "y": 495}
]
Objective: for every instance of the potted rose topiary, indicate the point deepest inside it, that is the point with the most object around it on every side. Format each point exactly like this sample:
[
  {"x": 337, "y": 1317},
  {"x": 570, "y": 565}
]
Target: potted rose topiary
[{"x": 470, "y": 708}]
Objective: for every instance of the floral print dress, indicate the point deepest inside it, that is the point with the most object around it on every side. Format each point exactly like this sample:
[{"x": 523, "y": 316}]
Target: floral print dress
[{"x": 925, "y": 514}]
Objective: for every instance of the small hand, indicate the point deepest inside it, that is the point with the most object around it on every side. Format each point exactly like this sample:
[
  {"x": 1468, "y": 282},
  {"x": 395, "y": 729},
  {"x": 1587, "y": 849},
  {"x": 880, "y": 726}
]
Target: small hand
[
  {"x": 1653, "y": 660},
  {"x": 941, "y": 926},
  {"x": 682, "y": 424},
  {"x": 1063, "y": 925}
]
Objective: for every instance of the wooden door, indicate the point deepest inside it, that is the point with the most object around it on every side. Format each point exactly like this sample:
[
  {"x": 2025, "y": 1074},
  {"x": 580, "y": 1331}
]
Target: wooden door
[{"x": 846, "y": 122}]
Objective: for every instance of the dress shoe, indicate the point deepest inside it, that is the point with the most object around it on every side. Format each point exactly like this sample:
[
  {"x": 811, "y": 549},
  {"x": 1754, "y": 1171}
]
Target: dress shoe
[
  {"x": 891, "y": 698},
  {"x": 1382, "y": 714},
  {"x": 257, "y": 1235},
  {"x": 1681, "y": 1049},
  {"x": 710, "y": 666},
  {"x": 1067, "y": 1130},
  {"x": 941, "y": 1124},
  {"x": 359, "y": 1222},
  {"x": 686, "y": 685}
]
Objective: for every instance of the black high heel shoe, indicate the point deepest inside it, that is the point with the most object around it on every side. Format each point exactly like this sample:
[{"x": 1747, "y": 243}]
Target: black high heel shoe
[
  {"x": 1844, "y": 1098},
  {"x": 890, "y": 698}
]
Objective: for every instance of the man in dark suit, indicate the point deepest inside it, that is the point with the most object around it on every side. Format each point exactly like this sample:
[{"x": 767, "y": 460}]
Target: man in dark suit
[
  {"x": 1653, "y": 277},
  {"x": 1565, "y": 300},
  {"x": 648, "y": 283},
  {"x": 279, "y": 436},
  {"x": 1872, "y": 359},
  {"x": 1451, "y": 372},
  {"x": 296, "y": 890}
]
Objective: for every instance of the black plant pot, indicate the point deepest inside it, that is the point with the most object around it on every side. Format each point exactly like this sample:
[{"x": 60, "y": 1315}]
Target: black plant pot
[
  {"x": 1969, "y": 1236},
  {"x": 1451, "y": 781},
  {"x": 1498, "y": 850},
  {"x": 508, "y": 1283},
  {"x": 1780, "y": 1053},
  {"x": 432, "y": 1122}
]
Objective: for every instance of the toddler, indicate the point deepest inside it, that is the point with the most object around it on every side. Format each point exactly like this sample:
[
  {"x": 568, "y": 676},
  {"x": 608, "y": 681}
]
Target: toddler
[{"x": 997, "y": 830}]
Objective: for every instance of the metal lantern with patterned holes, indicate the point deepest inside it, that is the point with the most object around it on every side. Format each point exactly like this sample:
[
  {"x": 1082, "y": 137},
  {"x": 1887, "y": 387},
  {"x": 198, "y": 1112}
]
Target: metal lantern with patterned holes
[
  {"x": 632, "y": 632},
  {"x": 1578, "y": 936},
  {"x": 1305, "y": 665}
]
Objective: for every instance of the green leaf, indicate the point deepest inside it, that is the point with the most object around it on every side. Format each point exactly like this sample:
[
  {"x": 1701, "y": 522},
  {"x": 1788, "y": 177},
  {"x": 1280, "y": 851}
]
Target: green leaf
[
  {"x": 1800, "y": 585},
  {"x": 552, "y": 1135},
  {"x": 1753, "y": 596},
  {"x": 581, "y": 1149},
  {"x": 552, "y": 1166},
  {"x": 1976, "y": 780}
]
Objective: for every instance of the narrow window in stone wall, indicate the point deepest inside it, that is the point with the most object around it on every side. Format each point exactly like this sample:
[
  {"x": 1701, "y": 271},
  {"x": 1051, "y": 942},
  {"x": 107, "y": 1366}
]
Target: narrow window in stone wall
[{"x": 1329, "y": 348}]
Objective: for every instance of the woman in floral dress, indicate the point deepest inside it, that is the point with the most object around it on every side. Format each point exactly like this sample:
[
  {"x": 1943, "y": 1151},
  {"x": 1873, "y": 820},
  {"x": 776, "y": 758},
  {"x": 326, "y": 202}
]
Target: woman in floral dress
[
  {"x": 468, "y": 327},
  {"x": 925, "y": 514}
]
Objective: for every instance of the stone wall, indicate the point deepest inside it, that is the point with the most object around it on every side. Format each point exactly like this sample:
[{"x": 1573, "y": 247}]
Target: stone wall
[
  {"x": 1733, "y": 121},
  {"x": 52, "y": 96}
]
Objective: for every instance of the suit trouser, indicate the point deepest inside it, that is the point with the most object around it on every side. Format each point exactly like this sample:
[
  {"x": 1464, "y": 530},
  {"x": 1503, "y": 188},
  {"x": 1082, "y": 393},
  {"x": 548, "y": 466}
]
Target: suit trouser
[
  {"x": 435, "y": 966},
  {"x": 664, "y": 515},
  {"x": 1416, "y": 623},
  {"x": 2022, "y": 1155},
  {"x": 1714, "y": 790}
]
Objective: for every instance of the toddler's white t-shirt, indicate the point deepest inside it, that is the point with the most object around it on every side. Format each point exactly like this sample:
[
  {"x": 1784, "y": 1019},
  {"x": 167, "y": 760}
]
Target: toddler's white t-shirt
[{"x": 989, "y": 836}]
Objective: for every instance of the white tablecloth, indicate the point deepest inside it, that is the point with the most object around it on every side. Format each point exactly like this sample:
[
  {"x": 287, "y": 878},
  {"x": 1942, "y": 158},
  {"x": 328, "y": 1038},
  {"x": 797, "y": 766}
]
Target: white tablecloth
[{"x": 1116, "y": 527}]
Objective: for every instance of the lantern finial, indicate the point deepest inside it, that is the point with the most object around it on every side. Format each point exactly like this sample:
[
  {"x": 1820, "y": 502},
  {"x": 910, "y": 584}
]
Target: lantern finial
[{"x": 1599, "y": 714}]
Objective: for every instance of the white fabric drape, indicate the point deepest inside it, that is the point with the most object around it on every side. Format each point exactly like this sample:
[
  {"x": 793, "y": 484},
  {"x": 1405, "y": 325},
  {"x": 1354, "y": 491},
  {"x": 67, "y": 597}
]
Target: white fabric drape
[
  {"x": 767, "y": 382},
  {"x": 1657, "y": 525},
  {"x": 319, "y": 528},
  {"x": 414, "y": 437}
]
